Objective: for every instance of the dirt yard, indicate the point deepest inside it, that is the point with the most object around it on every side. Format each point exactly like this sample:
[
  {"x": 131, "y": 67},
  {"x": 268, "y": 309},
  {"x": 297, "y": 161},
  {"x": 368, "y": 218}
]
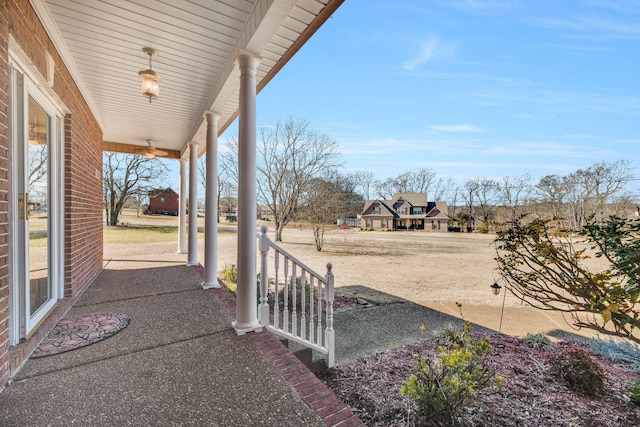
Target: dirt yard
[{"x": 436, "y": 270}]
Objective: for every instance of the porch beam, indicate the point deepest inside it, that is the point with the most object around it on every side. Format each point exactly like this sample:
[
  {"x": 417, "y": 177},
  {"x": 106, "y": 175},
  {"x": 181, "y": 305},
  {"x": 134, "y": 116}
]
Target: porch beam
[
  {"x": 246, "y": 293},
  {"x": 211, "y": 204},
  {"x": 117, "y": 147},
  {"x": 193, "y": 205}
]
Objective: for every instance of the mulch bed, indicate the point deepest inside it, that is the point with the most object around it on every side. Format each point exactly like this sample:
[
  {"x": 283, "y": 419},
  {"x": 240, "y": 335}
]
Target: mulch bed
[{"x": 530, "y": 396}]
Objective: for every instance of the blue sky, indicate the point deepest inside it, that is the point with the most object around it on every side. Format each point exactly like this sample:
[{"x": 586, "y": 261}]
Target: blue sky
[{"x": 469, "y": 88}]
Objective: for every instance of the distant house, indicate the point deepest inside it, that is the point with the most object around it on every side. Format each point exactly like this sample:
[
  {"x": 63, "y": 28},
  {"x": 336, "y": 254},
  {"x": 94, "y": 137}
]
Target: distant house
[
  {"x": 409, "y": 211},
  {"x": 163, "y": 202}
]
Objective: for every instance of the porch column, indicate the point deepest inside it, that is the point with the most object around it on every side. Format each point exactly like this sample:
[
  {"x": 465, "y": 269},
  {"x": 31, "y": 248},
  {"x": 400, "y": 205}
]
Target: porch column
[
  {"x": 182, "y": 220},
  {"x": 246, "y": 296},
  {"x": 211, "y": 204},
  {"x": 193, "y": 204}
]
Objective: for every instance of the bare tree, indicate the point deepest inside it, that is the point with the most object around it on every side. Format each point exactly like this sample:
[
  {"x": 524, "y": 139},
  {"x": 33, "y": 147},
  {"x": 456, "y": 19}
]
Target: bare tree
[
  {"x": 551, "y": 189},
  {"x": 515, "y": 191},
  {"x": 225, "y": 187},
  {"x": 365, "y": 181},
  {"x": 290, "y": 156},
  {"x": 38, "y": 156},
  {"x": 327, "y": 199},
  {"x": 469, "y": 194},
  {"x": 586, "y": 192},
  {"x": 602, "y": 181},
  {"x": 444, "y": 189},
  {"x": 487, "y": 194},
  {"x": 124, "y": 175},
  {"x": 420, "y": 181},
  {"x": 385, "y": 189}
]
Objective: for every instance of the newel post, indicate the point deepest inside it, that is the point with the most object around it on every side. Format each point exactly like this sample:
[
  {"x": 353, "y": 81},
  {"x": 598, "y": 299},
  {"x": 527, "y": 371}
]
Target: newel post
[
  {"x": 263, "y": 310},
  {"x": 329, "y": 333}
]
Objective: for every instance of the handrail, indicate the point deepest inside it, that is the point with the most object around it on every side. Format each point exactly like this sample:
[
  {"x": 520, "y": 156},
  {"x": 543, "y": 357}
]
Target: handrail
[
  {"x": 293, "y": 258},
  {"x": 311, "y": 287}
]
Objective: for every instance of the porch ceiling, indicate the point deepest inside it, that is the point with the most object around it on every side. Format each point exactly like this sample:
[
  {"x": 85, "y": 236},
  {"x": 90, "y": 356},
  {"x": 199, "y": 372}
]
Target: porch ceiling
[{"x": 197, "y": 43}]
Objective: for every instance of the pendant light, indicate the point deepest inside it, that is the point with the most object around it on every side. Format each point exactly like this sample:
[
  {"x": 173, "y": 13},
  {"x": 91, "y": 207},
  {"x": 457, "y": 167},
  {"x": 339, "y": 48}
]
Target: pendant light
[{"x": 150, "y": 79}]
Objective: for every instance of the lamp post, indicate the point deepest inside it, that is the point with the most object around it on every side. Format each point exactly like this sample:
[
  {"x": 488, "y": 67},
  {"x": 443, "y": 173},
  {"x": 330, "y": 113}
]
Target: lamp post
[{"x": 495, "y": 288}]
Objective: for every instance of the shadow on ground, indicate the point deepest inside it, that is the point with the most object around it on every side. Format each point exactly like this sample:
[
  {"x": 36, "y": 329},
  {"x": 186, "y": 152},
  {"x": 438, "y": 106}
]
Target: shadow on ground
[{"x": 390, "y": 322}]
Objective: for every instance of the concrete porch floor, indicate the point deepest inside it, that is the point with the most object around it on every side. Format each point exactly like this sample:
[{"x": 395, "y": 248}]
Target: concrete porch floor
[{"x": 179, "y": 362}]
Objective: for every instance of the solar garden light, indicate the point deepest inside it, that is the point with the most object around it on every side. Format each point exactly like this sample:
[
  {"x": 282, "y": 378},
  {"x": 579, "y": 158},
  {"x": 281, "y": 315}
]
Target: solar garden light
[{"x": 495, "y": 288}]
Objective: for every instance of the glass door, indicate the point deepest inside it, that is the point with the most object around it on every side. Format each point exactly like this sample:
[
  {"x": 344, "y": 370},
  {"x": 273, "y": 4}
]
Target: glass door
[{"x": 36, "y": 207}]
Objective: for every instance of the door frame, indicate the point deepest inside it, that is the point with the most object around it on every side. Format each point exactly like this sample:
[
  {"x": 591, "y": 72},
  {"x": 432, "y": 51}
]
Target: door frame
[{"x": 27, "y": 81}]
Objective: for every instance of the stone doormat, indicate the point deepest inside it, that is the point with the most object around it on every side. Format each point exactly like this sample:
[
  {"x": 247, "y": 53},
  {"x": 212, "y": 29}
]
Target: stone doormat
[{"x": 76, "y": 332}]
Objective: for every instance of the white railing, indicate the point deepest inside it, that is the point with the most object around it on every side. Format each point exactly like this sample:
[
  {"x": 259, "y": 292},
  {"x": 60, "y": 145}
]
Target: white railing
[{"x": 296, "y": 309}]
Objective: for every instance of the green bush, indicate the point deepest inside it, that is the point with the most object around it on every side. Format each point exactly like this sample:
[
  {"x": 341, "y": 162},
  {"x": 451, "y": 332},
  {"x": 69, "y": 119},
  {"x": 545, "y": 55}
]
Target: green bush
[
  {"x": 578, "y": 370},
  {"x": 537, "y": 341},
  {"x": 298, "y": 290},
  {"x": 230, "y": 274},
  {"x": 446, "y": 384},
  {"x": 634, "y": 392},
  {"x": 230, "y": 279}
]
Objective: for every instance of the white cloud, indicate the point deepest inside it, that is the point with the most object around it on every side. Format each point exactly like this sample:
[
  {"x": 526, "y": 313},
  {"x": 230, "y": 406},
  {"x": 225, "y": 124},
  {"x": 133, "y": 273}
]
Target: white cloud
[
  {"x": 428, "y": 51},
  {"x": 463, "y": 128}
]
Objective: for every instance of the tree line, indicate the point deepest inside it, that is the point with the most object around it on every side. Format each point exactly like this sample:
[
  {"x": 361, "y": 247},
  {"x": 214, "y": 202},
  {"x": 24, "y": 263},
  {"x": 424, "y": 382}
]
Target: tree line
[{"x": 300, "y": 179}]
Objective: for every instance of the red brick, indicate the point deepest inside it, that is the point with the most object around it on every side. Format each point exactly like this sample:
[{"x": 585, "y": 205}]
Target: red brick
[
  {"x": 336, "y": 418},
  {"x": 352, "y": 421},
  {"x": 82, "y": 156},
  {"x": 324, "y": 402}
]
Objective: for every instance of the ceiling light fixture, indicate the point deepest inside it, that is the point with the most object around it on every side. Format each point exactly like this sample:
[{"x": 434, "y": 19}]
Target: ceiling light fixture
[
  {"x": 33, "y": 136},
  {"x": 150, "y": 79}
]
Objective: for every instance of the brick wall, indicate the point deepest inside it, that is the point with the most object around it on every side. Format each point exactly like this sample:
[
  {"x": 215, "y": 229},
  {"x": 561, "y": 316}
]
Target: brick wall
[
  {"x": 82, "y": 179},
  {"x": 4, "y": 195}
]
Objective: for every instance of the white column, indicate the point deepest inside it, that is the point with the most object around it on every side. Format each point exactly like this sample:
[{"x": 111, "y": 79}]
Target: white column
[
  {"x": 211, "y": 204},
  {"x": 182, "y": 219},
  {"x": 247, "y": 296},
  {"x": 193, "y": 205}
]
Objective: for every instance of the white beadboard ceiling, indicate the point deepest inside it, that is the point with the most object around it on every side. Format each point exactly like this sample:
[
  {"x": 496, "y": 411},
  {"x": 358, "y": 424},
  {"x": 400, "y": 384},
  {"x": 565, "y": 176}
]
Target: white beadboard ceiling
[{"x": 197, "y": 42}]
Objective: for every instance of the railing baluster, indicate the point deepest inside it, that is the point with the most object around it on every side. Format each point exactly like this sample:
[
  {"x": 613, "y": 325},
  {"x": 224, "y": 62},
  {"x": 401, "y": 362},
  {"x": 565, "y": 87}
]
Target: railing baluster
[
  {"x": 276, "y": 304},
  {"x": 329, "y": 333},
  {"x": 303, "y": 305},
  {"x": 285, "y": 312},
  {"x": 263, "y": 310},
  {"x": 319, "y": 304},
  {"x": 311, "y": 307},
  {"x": 294, "y": 297}
]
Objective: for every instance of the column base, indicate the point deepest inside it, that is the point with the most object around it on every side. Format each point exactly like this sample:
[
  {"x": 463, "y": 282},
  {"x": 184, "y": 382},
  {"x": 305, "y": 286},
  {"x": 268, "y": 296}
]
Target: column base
[
  {"x": 181, "y": 252},
  {"x": 242, "y": 329},
  {"x": 193, "y": 264},
  {"x": 211, "y": 285}
]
